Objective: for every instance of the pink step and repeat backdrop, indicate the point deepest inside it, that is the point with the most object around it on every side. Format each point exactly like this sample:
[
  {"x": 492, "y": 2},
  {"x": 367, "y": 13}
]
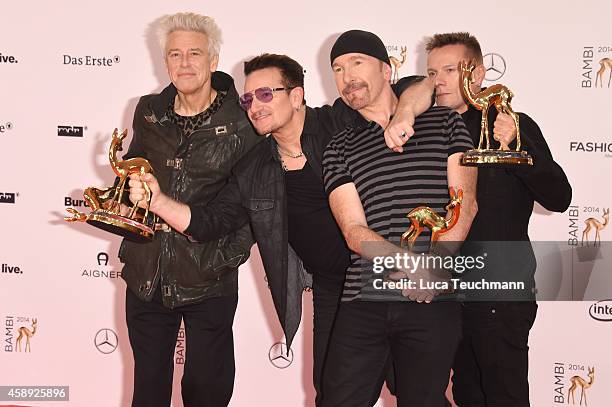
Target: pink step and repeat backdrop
[{"x": 71, "y": 71}]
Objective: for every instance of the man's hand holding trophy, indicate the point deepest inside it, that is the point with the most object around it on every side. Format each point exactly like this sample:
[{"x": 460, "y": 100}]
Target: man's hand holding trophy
[
  {"x": 506, "y": 127},
  {"x": 109, "y": 210}
]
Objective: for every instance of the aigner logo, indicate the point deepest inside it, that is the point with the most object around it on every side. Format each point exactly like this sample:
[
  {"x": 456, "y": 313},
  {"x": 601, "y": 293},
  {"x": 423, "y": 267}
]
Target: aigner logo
[
  {"x": 104, "y": 272},
  {"x": 8, "y": 59},
  {"x": 102, "y": 258},
  {"x": 601, "y": 311},
  {"x": 280, "y": 356},
  {"x": 106, "y": 341},
  {"x": 495, "y": 65},
  {"x": 71, "y": 131},
  {"x": 8, "y": 197},
  {"x": 6, "y": 126},
  {"x": 89, "y": 60}
]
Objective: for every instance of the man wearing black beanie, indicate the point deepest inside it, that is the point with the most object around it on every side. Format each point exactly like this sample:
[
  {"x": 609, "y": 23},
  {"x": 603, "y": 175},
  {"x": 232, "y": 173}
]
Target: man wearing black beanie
[
  {"x": 371, "y": 189},
  {"x": 358, "y": 41}
]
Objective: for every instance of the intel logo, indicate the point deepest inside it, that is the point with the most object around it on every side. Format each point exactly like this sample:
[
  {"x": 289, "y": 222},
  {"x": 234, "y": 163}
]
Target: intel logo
[{"x": 601, "y": 311}]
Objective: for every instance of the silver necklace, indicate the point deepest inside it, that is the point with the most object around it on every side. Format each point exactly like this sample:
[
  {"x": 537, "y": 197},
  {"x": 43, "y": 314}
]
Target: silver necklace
[
  {"x": 280, "y": 154},
  {"x": 298, "y": 155}
]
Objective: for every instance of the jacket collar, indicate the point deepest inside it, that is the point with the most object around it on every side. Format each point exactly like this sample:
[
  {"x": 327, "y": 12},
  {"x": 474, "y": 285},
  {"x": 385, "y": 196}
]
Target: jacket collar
[
  {"x": 311, "y": 128},
  {"x": 220, "y": 81}
]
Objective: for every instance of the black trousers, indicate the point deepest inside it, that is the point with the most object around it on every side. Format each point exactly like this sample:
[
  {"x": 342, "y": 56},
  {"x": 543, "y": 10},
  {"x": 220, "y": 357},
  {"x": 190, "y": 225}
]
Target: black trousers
[
  {"x": 491, "y": 366},
  {"x": 420, "y": 339},
  {"x": 326, "y": 299},
  {"x": 208, "y": 377}
]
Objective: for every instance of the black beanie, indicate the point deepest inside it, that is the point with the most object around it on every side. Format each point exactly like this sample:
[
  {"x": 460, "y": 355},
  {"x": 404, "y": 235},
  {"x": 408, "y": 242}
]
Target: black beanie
[{"x": 362, "y": 42}]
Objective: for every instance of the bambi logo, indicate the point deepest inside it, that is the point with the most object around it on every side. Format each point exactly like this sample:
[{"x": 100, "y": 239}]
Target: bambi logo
[
  {"x": 579, "y": 381},
  {"x": 280, "y": 356},
  {"x": 396, "y": 64},
  {"x": 27, "y": 333},
  {"x": 592, "y": 223},
  {"x": 605, "y": 63},
  {"x": 495, "y": 65},
  {"x": 102, "y": 259}
]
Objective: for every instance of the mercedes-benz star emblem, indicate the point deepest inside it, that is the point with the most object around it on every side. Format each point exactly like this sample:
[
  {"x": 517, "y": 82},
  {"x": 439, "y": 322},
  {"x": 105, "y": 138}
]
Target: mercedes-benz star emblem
[
  {"x": 278, "y": 355},
  {"x": 495, "y": 65},
  {"x": 106, "y": 341}
]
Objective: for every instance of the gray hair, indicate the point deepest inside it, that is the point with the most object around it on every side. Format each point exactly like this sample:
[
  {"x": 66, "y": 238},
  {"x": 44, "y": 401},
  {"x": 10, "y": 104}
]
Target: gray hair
[{"x": 190, "y": 22}]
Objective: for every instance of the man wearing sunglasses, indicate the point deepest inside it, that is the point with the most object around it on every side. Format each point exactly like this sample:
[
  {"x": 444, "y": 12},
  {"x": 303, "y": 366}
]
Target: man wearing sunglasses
[{"x": 278, "y": 187}]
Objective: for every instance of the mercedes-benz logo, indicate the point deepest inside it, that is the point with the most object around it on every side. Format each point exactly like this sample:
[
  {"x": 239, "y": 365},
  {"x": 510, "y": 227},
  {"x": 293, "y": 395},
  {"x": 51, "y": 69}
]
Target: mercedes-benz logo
[
  {"x": 278, "y": 355},
  {"x": 106, "y": 341},
  {"x": 495, "y": 65}
]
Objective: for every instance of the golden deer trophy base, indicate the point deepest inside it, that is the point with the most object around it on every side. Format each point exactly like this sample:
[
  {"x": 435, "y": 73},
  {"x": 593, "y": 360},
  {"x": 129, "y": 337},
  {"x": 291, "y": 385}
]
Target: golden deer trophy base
[
  {"x": 105, "y": 204},
  {"x": 121, "y": 225},
  {"x": 483, "y": 158}
]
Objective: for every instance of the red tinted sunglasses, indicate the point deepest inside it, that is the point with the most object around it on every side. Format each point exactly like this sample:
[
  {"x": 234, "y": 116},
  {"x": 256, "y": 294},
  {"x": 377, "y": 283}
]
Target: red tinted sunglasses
[{"x": 263, "y": 94}]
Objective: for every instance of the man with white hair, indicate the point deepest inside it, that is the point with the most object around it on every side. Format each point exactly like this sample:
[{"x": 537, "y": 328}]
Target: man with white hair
[{"x": 192, "y": 133}]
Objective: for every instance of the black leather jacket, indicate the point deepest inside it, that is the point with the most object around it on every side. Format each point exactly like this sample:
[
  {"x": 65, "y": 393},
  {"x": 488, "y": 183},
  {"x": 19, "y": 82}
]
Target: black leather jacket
[
  {"x": 190, "y": 170},
  {"x": 256, "y": 193}
]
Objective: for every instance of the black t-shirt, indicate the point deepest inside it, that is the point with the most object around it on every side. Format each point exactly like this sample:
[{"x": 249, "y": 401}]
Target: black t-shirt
[{"x": 324, "y": 252}]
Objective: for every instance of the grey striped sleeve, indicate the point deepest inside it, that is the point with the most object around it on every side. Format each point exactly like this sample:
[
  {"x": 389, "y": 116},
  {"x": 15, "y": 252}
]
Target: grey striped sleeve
[{"x": 335, "y": 170}]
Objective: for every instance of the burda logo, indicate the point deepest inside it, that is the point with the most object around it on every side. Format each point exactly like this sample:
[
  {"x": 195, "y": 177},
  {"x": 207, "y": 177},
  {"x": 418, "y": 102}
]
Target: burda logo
[
  {"x": 89, "y": 60},
  {"x": 601, "y": 311},
  {"x": 8, "y": 59},
  {"x": 69, "y": 201}
]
